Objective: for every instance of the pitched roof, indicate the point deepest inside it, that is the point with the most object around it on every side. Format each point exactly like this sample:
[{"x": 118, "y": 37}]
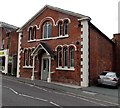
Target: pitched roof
[
  {"x": 7, "y": 27},
  {"x": 79, "y": 16},
  {"x": 44, "y": 46},
  {"x": 102, "y": 34}
]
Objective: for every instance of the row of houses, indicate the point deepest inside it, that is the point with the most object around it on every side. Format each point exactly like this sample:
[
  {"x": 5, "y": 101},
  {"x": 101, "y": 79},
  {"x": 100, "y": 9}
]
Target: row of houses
[
  {"x": 8, "y": 48},
  {"x": 57, "y": 45}
]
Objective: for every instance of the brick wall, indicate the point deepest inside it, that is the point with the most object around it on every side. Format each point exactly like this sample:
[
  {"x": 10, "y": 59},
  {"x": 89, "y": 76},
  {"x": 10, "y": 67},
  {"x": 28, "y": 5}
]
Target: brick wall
[
  {"x": 116, "y": 39},
  {"x": 10, "y": 42},
  {"x": 101, "y": 53},
  {"x": 13, "y": 48},
  {"x": 74, "y": 36}
]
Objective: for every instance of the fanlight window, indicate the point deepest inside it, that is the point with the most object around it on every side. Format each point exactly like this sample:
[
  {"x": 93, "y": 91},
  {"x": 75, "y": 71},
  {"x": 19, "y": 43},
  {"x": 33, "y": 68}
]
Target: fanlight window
[
  {"x": 66, "y": 23},
  {"x": 60, "y": 28},
  {"x": 72, "y": 57},
  {"x": 59, "y": 57},
  {"x": 47, "y": 30}
]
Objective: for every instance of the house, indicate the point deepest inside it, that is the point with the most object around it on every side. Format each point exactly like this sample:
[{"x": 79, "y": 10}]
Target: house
[
  {"x": 63, "y": 46},
  {"x": 8, "y": 48}
]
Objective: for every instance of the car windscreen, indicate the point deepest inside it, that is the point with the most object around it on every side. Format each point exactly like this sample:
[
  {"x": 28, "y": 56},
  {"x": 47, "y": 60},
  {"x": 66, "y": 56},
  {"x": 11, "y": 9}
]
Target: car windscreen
[{"x": 110, "y": 74}]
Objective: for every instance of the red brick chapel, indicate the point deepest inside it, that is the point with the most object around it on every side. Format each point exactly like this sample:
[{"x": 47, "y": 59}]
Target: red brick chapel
[{"x": 57, "y": 45}]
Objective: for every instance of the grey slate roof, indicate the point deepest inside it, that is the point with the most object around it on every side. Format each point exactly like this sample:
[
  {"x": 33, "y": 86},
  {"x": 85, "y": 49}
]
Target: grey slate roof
[
  {"x": 7, "y": 27},
  {"x": 79, "y": 16}
]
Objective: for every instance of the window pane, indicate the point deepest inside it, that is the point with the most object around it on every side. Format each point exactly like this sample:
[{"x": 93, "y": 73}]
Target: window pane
[
  {"x": 34, "y": 32},
  {"x": 72, "y": 57},
  {"x": 59, "y": 57},
  {"x": 25, "y": 58},
  {"x": 66, "y": 27},
  {"x": 45, "y": 31},
  {"x": 60, "y": 28},
  {"x": 66, "y": 57},
  {"x": 29, "y": 57},
  {"x": 49, "y": 30},
  {"x": 30, "y": 34}
]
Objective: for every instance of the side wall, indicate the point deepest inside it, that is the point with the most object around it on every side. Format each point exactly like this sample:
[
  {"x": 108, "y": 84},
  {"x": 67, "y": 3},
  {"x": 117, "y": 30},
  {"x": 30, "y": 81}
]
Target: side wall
[
  {"x": 117, "y": 52},
  {"x": 101, "y": 53},
  {"x": 13, "y": 43}
]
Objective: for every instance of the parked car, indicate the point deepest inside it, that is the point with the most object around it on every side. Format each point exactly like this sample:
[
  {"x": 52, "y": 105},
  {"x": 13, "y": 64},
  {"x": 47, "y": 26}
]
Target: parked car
[{"x": 109, "y": 78}]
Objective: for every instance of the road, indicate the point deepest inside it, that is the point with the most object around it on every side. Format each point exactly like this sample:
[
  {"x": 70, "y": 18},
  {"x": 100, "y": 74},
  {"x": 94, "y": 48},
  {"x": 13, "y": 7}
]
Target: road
[{"x": 15, "y": 93}]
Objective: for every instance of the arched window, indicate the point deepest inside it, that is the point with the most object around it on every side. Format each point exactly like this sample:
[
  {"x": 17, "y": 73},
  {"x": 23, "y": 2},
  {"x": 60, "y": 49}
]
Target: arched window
[
  {"x": 47, "y": 30},
  {"x": 60, "y": 28},
  {"x": 29, "y": 57},
  {"x": 72, "y": 56},
  {"x": 59, "y": 50},
  {"x": 34, "y": 32},
  {"x": 25, "y": 58},
  {"x": 30, "y": 34},
  {"x": 65, "y": 57},
  {"x": 66, "y": 27}
]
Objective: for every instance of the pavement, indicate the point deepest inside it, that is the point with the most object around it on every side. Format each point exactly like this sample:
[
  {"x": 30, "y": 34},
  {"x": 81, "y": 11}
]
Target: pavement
[{"x": 92, "y": 91}]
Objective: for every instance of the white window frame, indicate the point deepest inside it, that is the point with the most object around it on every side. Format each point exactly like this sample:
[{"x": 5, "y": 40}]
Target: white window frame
[
  {"x": 47, "y": 36},
  {"x": 25, "y": 57},
  {"x": 34, "y": 32},
  {"x": 65, "y": 57},
  {"x": 60, "y": 28},
  {"x": 30, "y": 33},
  {"x": 29, "y": 58},
  {"x": 59, "y": 51},
  {"x": 66, "y": 25},
  {"x": 72, "y": 50}
]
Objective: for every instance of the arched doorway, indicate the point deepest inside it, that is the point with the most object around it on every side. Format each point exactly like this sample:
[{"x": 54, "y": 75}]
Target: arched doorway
[
  {"x": 45, "y": 67},
  {"x": 45, "y": 54}
]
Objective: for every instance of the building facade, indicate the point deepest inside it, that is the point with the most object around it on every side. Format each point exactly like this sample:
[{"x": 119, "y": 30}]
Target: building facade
[
  {"x": 63, "y": 46},
  {"x": 102, "y": 55},
  {"x": 8, "y": 48}
]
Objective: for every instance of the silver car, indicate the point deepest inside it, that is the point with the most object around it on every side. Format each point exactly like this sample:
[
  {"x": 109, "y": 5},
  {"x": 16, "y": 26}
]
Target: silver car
[{"x": 109, "y": 78}]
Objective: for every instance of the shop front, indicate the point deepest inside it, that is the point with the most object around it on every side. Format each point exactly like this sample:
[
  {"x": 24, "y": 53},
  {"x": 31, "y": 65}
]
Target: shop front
[{"x": 4, "y": 61}]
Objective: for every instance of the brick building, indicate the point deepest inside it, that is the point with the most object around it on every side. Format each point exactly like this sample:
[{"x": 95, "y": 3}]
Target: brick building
[
  {"x": 116, "y": 39},
  {"x": 63, "y": 46},
  {"x": 101, "y": 53},
  {"x": 8, "y": 48}
]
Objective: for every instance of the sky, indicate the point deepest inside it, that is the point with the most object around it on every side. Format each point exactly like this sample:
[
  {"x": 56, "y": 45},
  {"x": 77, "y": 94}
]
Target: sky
[{"x": 103, "y": 13}]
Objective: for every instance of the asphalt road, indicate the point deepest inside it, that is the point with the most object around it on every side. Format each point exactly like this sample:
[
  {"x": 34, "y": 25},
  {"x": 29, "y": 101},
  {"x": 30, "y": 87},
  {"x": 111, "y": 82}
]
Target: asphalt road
[{"x": 16, "y": 93}]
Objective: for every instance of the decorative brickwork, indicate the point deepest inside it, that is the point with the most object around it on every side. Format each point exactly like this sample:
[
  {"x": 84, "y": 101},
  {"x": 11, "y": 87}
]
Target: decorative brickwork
[{"x": 81, "y": 51}]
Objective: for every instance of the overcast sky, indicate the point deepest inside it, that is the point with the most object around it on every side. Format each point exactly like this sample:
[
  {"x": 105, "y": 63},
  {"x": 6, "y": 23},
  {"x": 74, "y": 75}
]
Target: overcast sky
[{"x": 104, "y": 13}]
